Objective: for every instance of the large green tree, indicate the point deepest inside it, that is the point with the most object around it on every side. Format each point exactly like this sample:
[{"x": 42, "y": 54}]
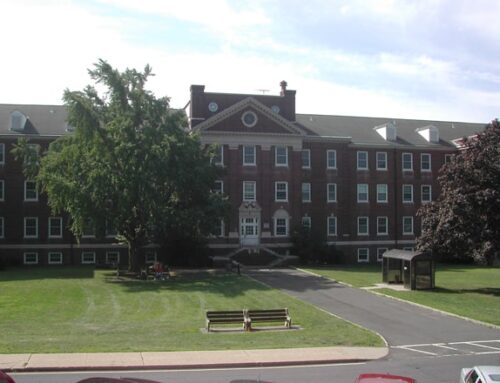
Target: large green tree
[
  {"x": 465, "y": 221},
  {"x": 129, "y": 164}
]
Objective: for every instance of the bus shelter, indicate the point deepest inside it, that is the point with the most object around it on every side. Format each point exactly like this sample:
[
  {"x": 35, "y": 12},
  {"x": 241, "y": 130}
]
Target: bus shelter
[{"x": 414, "y": 269}]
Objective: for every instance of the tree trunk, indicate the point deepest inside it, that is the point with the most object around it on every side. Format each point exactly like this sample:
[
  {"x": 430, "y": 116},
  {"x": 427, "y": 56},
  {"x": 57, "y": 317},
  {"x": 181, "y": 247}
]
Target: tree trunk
[{"x": 133, "y": 261}]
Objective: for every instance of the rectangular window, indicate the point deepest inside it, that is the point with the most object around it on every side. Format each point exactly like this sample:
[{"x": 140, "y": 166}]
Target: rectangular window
[
  {"x": 55, "y": 227},
  {"x": 30, "y": 227},
  {"x": 88, "y": 229},
  {"x": 281, "y": 191},
  {"x": 362, "y": 160},
  {"x": 249, "y": 155},
  {"x": 380, "y": 253},
  {"x": 381, "y": 193},
  {"x": 332, "y": 226},
  {"x": 426, "y": 193},
  {"x": 381, "y": 161},
  {"x": 362, "y": 225},
  {"x": 218, "y": 228},
  {"x": 112, "y": 257},
  {"x": 425, "y": 162},
  {"x": 30, "y": 258},
  {"x": 331, "y": 190},
  {"x": 110, "y": 229},
  {"x": 448, "y": 158},
  {"x": 363, "y": 255},
  {"x": 2, "y": 190},
  {"x": 382, "y": 226},
  {"x": 407, "y": 162},
  {"x": 362, "y": 192},
  {"x": 281, "y": 156},
  {"x": 2, "y": 154},
  {"x": 280, "y": 227},
  {"x": 88, "y": 257},
  {"x": 306, "y": 222},
  {"x": 408, "y": 248},
  {"x": 2, "y": 228},
  {"x": 218, "y": 187},
  {"x": 407, "y": 193},
  {"x": 150, "y": 257},
  {"x": 248, "y": 190},
  {"x": 30, "y": 192},
  {"x": 407, "y": 225},
  {"x": 306, "y": 192},
  {"x": 306, "y": 159},
  {"x": 55, "y": 258},
  {"x": 331, "y": 159},
  {"x": 218, "y": 158}
]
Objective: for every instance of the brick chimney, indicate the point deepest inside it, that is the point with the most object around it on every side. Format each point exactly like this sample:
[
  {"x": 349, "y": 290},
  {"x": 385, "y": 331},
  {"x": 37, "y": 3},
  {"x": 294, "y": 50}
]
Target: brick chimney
[
  {"x": 196, "y": 105},
  {"x": 283, "y": 85}
]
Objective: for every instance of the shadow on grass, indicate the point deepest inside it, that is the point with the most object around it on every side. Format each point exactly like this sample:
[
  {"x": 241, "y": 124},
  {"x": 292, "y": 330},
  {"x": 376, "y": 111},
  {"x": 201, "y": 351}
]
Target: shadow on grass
[
  {"x": 484, "y": 291},
  {"x": 54, "y": 272},
  {"x": 228, "y": 285}
]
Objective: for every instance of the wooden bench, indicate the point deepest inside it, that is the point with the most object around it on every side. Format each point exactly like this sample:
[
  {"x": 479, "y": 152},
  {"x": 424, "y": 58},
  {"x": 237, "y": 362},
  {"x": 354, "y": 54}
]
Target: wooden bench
[
  {"x": 223, "y": 317},
  {"x": 273, "y": 315}
]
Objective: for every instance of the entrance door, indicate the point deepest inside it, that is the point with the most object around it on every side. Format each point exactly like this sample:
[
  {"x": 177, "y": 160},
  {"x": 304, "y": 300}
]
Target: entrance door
[{"x": 249, "y": 231}]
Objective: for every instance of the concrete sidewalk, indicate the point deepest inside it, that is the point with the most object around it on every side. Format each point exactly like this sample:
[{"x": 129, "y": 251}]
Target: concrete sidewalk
[{"x": 188, "y": 359}]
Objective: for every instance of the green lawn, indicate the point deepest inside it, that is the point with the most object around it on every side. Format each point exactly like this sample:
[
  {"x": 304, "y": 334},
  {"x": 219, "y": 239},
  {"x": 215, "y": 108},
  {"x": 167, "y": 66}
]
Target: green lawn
[
  {"x": 82, "y": 310},
  {"x": 470, "y": 291}
]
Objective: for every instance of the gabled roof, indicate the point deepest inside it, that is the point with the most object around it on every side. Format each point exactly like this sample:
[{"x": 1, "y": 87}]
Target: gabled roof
[
  {"x": 255, "y": 104},
  {"x": 41, "y": 120}
]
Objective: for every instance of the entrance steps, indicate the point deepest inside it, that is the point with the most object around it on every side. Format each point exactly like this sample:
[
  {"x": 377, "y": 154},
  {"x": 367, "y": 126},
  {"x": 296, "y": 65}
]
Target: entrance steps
[{"x": 255, "y": 256}]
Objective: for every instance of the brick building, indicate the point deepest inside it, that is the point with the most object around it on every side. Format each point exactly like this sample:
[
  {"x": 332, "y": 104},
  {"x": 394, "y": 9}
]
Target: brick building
[{"x": 360, "y": 180}]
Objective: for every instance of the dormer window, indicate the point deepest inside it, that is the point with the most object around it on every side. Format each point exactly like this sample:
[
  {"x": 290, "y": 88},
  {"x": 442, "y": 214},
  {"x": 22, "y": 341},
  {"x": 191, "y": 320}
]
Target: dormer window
[
  {"x": 429, "y": 133},
  {"x": 17, "y": 121},
  {"x": 387, "y": 131}
]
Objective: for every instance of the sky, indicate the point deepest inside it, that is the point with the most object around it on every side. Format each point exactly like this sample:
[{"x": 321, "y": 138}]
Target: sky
[{"x": 419, "y": 59}]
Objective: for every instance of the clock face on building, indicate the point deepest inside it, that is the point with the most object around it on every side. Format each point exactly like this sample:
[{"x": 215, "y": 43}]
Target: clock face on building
[
  {"x": 213, "y": 106},
  {"x": 275, "y": 108},
  {"x": 249, "y": 119}
]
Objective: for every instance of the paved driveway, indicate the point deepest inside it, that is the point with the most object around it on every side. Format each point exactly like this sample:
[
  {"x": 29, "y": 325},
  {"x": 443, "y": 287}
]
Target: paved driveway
[{"x": 399, "y": 323}]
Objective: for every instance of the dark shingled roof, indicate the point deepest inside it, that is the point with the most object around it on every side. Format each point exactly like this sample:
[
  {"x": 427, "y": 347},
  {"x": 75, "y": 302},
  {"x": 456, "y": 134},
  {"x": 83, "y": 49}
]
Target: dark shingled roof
[{"x": 361, "y": 129}]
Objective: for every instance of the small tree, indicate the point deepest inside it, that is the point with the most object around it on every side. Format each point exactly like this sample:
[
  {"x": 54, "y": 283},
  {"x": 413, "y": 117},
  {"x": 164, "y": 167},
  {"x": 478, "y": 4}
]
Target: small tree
[
  {"x": 465, "y": 221},
  {"x": 129, "y": 164}
]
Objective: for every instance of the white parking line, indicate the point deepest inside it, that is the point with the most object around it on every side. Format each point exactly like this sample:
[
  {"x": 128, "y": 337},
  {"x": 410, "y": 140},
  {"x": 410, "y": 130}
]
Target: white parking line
[{"x": 456, "y": 348}]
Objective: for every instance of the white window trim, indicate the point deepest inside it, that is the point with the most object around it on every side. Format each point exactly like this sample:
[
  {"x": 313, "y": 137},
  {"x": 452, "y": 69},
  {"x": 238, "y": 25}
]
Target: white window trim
[
  {"x": 308, "y": 219},
  {"x": 254, "y": 155},
  {"x": 90, "y": 235},
  {"x": 25, "y": 254},
  {"x": 221, "y": 162},
  {"x": 52, "y": 262},
  {"x": 403, "y": 193},
  {"x": 36, "y": 227},
  {"x": 254, "y": 191},
  {"x": 50, "y": 227},
  {"x": 328, "y": 192},
  {"x": 386, "y": 226},
  {"x": 328, "y": 226},
  {"x": 2, "y": 190},
  {"x": 328, "y": 158},
  {"x": 386, "y": 194},
  {"x": 276, "y": 156},
  {"x": 367, "y": 255},
  {"x": 2, "y": 227},
  {"x": 25, "y": 192},
  {"x": 276, "y": 191},
  {"x": 448, "y": 158},
  {"x": 403, "y": 162},
  {"x": 221, "y": 186},
  {"x": 376, "y": 158},
  {"x": 287, "y": 224},
  {"x": 357, "y": 160},
  {"x": 2, "y": 154},
  {"x": 412, "y": 225},
  {"x": 367, "y": 193},
  {"x": 308, "y": 151},
  {"x": 380, "y": 253},
  {"x": 112, "y": 252},
  {"x": 421, "y": 162},
  {"x": 422, "y": 193},
  {"x": 367, "y": 226},
  {"x": 148, "y": 262},
  {"x": 88, "y": 262},
  {"x": 307, "y": 200}
]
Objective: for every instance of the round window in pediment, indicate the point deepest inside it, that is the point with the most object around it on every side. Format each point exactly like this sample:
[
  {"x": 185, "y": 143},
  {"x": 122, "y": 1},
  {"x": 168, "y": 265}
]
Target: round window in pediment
[
  {"x": 275, "y": 108},
  {"x": 213, "y": 107},
  {"x": 249, "y": 119}
]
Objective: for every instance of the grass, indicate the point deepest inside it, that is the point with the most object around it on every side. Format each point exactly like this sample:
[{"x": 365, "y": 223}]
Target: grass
[
  {"x": 470, "y": 291},
  {"x": 86, "y": 310}
]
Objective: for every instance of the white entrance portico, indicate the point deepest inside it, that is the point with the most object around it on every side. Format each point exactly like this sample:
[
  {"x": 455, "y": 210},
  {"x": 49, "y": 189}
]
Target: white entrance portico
[{"x": 249, "y": 219}]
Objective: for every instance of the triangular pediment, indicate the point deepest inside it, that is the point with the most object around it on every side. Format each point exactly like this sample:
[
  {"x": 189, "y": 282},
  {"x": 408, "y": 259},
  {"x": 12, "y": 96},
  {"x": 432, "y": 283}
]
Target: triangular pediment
[{"x": 231, "y": 120}]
